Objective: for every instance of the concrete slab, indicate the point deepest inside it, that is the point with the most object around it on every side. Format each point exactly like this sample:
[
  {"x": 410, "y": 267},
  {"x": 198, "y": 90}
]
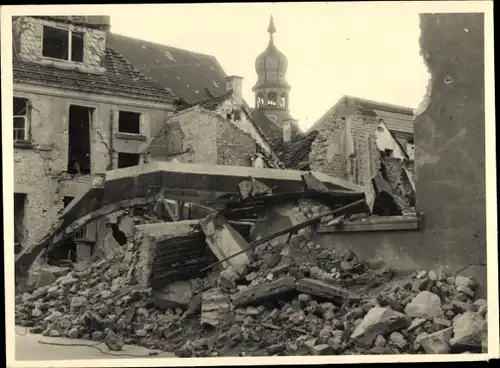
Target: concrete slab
[
  {"x": 224, "y": 241},
  {"x": 189, "y": 182}
]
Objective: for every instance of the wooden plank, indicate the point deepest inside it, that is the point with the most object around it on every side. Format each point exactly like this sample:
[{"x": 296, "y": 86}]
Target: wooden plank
[
  {"x": 323, "y": 290},
  {"x": 264, "y": 292},
  {"x": 388, "y": 223}
]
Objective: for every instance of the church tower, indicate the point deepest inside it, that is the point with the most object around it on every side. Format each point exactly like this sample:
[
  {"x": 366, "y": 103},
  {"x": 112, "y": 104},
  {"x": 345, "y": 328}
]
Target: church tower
[{"x": 272, "y": 90}]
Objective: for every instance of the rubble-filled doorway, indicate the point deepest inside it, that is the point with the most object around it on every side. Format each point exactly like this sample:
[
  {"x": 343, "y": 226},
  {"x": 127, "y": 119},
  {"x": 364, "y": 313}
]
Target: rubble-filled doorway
[
  {"x": 79, "y": 156},
  {"x": 19, "y": 214}
]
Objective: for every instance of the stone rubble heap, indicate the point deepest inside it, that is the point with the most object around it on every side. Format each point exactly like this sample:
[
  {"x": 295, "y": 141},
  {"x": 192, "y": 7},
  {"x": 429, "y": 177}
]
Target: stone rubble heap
[{"x": 294, "y": 299}]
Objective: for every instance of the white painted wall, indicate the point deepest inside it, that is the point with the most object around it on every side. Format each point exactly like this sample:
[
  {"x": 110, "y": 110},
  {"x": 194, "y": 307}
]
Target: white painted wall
[{"x": 385, "y": 140}]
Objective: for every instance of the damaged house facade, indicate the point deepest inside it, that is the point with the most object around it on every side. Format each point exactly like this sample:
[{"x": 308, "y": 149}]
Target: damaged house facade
[
  {"x": 316, "y": 259},
  {"x": 355, "y": 140},
  {"x": 80, "y": 109}
]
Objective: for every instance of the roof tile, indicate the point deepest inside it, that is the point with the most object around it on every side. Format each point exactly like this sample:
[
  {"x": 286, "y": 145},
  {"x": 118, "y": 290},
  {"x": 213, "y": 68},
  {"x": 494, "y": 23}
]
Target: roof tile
[{"x": 119, "y": 78}]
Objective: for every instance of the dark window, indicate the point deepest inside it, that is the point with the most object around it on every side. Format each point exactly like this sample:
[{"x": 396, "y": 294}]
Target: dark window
[
  {"x": 77, "y": 47},
  {"x": 19, "y": 208},
  {"x": 67, "y": 200},
  {"x": 80, "y": 118},
  {"x": 388, "y": 153},
  {"x": 127, "y": 159},
  {"x": 129, "y": 122},
  {"x": 272, "y": 99},
  {"x": 20, "y": 119},
  {"x": 62, "y": 44},
  {"x": 237, "y": 115}
]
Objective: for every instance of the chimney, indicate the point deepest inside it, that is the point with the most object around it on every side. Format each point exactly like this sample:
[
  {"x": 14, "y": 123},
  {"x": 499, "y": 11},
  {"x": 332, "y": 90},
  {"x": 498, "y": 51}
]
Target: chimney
[
  {"x": 235, "y": 84},
  {"x": 287, "y": 131}
]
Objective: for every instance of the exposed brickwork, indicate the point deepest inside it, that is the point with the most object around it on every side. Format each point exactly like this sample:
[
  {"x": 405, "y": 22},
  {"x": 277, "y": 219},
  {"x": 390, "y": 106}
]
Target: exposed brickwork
[
  {"x": 234, "y": 147},
  {"x": 329, "y": 151},
  {"x": 28, "y": 32},
  {"x": 41, "y": 173},
  {"x": 393, "y": 169},
  {"x": 189, "y": 137}
]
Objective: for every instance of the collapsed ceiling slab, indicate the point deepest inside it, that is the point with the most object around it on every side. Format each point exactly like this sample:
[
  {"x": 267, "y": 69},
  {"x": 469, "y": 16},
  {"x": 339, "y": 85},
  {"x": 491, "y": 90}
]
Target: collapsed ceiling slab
[{"x": 197, "y": 183}]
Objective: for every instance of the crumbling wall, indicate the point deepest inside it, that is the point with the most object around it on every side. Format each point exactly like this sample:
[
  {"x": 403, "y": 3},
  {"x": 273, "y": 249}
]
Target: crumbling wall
[
  {"x": 393, "y": 169},
  {"x": 40, "y": 165},
  {"x": 29, "y": 37},
  {"x": 346, "y": 148},
  {"x": 189, "y": 137},
  {"x": 234, "y": 147},
  {"x": 450, "y": 141}
]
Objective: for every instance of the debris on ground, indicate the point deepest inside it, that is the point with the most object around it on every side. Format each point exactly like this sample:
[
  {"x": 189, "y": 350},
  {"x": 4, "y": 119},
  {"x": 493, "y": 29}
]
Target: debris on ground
[{"x": 199, "y": 288}]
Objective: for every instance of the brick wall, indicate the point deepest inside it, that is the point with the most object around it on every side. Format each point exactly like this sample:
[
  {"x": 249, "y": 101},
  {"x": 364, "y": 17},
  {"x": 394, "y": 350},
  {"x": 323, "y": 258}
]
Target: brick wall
[
  {"x": 234, "y": 147},
  {"x": 189, "y": 137},
  {"x": 28, "y": 38},
  {"x": 393, "y": 169},
  {"x": 328, "y": 151},
  {"x": 40, "y": 172}
]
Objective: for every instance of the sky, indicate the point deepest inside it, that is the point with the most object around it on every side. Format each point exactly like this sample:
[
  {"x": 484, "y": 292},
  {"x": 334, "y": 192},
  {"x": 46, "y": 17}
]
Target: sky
[{"x": 332, "y": 48}]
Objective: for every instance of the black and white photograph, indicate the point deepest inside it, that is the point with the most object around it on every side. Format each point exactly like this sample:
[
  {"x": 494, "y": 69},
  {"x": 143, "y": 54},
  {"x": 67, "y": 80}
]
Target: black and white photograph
[{"x": 249, "y": 183}]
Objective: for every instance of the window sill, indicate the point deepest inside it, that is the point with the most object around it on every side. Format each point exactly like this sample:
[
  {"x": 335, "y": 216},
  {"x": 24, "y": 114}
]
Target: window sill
[
  {"x": 23, "y": 144},
  {"x": 135, "y": 137}
]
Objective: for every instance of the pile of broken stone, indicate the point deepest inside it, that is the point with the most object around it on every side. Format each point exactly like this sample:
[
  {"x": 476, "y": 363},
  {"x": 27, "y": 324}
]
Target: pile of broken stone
[{"x": 295, "y": 299}]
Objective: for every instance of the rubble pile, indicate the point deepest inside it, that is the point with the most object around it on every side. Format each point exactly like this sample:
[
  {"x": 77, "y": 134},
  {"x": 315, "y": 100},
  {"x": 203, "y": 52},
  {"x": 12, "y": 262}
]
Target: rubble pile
[
  {"x": 285, "y": 304},
  {"x": 198, "y": 288}
]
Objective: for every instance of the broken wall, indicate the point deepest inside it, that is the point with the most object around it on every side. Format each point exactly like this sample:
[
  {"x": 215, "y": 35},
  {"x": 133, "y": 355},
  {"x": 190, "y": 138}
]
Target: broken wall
[
  {"x": 394, "y": 170},
  {"x": 450, "y": 141},
  {"x": 188, "y": 137},
  {"x": 346, "y": 148},
  {"x": 234, "y": 147},
  {"x": 40, "y": 165}
]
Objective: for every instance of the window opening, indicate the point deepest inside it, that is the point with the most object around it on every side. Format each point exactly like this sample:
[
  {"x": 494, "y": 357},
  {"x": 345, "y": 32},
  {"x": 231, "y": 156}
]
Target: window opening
[
  {"x": 272, "y": 99},
  {"x": 129, "y": 122},
  {"x": 20, "y": 123},
  {"x": 127, "y": 159},
  {"x": 79, "y": 157},
  {"x": 62, "y": 44},
  {"x": 19, "y": 213}
]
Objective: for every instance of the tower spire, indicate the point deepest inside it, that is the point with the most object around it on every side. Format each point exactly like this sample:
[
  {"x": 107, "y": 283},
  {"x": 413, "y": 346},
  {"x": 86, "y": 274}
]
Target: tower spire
[{"x": 271, "y": 29}]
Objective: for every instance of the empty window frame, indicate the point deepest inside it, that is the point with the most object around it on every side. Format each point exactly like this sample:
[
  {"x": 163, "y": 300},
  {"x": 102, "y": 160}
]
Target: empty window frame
[
  {"x": 237, "y": 115},
  {"x": 127, "y": 159},
  {"x": 129, "y": 122},
  {"x": 20, "y": 119},
  {"x": 62, "y": 44}
]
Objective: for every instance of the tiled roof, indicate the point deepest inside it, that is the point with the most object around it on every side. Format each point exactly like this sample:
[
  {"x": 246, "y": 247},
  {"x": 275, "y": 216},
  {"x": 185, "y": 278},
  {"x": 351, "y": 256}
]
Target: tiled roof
[
  {"x": 120, "y": 78},
  {"x": 396, "y": 122},
  {"x": 397, "y": 118},
  {"x": 268, "y": 128},
  {"x": 295, "y": 153},
  {"x": 211, "y": 103},
  {"x": 192, "y": 76}
]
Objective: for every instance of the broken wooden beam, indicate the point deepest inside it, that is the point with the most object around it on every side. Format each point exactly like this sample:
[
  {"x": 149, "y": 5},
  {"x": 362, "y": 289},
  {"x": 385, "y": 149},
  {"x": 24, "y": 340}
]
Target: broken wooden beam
[
  {"x": 264, "y": 292},
  {"x": 323, "y": 290}
]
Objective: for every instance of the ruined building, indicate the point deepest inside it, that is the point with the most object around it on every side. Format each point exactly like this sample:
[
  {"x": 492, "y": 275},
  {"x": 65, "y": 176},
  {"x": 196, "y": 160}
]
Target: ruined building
[{"x": 80, "y": 108}]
